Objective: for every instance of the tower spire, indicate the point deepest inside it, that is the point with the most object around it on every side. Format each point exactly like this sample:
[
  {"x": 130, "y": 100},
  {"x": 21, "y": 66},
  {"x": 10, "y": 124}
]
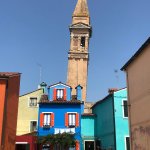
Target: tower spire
[{"x": 81, "y": 13}]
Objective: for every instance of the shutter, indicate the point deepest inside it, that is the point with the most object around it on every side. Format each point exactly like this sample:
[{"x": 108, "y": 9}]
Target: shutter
[
  {"x": 65, "y": 94},
  {"x": 52, "y": 119},
  {"x": 54, "y": 94},
  {"x": 41, "y": 119},
  {"x": 66, "y": 120},
  {"x": 77, "y": 119},
  {"x": 77, "y": 145}
]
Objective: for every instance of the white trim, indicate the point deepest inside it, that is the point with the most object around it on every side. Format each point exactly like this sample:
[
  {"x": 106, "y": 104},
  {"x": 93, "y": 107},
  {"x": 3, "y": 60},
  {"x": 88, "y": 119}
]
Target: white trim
[
  {"x": 125, "y": 141},
  {"x": 59, "y": 84},
  {"x": 30, "y": 124},
  {"x": 123, "y": 108},
  {"x": 46, "y": 112},
  {"x": 120, "y": 90},
  {"x": 72, "y": 112},
  {"x": 21, "y": 142},
  {"x": 87, "y": 141}
]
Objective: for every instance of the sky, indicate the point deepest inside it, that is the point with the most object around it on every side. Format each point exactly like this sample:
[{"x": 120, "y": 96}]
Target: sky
[{"x": 35, "y": 34}]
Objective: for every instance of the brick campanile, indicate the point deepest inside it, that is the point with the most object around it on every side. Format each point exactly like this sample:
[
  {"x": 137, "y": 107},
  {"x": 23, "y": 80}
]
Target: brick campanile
[{"x": 78, "y": 55}]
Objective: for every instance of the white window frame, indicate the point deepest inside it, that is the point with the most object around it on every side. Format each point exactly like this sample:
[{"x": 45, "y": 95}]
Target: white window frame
[
  {"x": 125, "y": 143},
  {"x": 30, "y": 124},
  {"x": 47, "y": 113},
  {"x": 123, "y": 108},
  {"x": 72, "y": 119},
  {"x": 68, "y": 117},
  {"x": 61, "y": 94}
]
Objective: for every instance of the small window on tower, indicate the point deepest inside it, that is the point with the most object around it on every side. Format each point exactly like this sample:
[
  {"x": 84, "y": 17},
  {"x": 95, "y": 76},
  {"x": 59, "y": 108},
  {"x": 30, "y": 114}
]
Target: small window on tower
[{"x": 82, "y": 41}]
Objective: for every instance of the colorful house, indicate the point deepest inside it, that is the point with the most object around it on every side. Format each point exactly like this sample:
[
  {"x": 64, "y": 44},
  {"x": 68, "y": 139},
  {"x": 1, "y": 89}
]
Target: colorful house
[
  {"x": 60, "y": 112},
  {"x": 87, "y": 131},
  {"x": 27, "y": 120},
  {"x": 138, "y": 78},
  {"x": 111, "y": 124},
  {"x": 9, "y": 96}
]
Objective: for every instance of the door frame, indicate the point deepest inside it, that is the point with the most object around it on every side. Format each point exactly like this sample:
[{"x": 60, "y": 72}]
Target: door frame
[{"x": 89, "y": 141}]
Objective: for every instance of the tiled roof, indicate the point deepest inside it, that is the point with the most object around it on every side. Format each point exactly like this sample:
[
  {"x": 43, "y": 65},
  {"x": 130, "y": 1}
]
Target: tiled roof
[
  {"x": 46, "y": 101},
  {"x": 88, "y": 114},
  {"x": 8, "y": 74}
]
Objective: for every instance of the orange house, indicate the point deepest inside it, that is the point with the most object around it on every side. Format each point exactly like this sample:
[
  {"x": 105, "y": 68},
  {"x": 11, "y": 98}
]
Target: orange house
[{"x": 9, "y": 95}]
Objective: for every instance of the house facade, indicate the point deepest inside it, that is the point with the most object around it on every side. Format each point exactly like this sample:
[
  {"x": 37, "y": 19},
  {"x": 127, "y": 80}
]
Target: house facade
[
  {"x": 88, "y": 131},
  {"x": 9, "y": 96},
  {"x": 27, "y": 121},
  {"x": 138, "y": 78},
  {"x": 60, "y": 112},
  {"x": 28, "y": 112},
  {"x": 111, "y": 123}
]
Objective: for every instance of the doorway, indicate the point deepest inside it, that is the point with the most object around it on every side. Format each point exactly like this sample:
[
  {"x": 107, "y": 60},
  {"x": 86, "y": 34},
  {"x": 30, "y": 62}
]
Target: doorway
[{"x": 89, "y": 145}]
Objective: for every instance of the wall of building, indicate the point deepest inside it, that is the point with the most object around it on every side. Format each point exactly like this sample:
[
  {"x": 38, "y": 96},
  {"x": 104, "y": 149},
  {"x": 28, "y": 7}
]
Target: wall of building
[
  {"x": 87, "y": 129},
  {"x": 121, "y": 122},
  {"x": 59, "y": 86},
  {"x": 59, "y": 111},
  {"x": 10, "y": 109},
  {"x": 138, "y": 79},
  {"x": 2, "y": 100},
  {"x": 104, "y": 123},
  {"x": 27, "y": 113}
]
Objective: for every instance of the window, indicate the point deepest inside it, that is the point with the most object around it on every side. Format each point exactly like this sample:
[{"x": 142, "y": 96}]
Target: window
[
  {"x": 46, "y": 119},
  {"x": 33, "y": 126},
  {"x": 82, "y": 41},
  {"x": 71, "y": 120},
  {"x": 33, "y": 101},
  {"x": 127, "y": 141},
  {"x": 125, "y": 108},
  {"x": 60, "y": 93}
]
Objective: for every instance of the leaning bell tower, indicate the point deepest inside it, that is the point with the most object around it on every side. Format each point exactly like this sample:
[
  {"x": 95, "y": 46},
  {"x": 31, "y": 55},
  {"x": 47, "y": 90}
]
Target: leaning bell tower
[{"x": 78, "y": 55}]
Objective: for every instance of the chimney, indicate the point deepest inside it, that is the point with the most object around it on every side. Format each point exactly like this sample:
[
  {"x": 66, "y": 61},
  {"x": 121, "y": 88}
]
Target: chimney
[{"x": 112, "y": 90}]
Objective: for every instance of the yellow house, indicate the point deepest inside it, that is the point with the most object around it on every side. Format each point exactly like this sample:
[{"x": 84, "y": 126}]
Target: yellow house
[{"x": 28, "y": 111}]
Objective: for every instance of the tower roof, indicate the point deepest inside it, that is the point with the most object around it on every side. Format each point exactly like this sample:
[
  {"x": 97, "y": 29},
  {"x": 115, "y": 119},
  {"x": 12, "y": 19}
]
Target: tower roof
[
  {"x": 81, "y": 13},
  {"x": 81, "y": 9}
]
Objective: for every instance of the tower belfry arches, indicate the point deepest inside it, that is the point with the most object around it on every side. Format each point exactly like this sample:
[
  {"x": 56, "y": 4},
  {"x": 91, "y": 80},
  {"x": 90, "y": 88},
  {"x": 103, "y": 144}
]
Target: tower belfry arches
[{"x": 78, "y": 55}]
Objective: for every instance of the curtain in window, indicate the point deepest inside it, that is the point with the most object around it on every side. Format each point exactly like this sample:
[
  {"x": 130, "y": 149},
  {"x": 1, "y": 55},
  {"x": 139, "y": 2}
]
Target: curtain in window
[
  {"x": 60, "y": 93},
  {"x": 46, "y": 119},
  {"x": 72, "y": 119}
]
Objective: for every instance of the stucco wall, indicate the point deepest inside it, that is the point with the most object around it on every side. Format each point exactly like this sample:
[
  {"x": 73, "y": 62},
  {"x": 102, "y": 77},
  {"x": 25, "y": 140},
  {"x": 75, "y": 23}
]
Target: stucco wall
[
  {"x": 104, "y": 124},
  {"x": 121, "y": 122},
  {"x": 9, "y": 109},
  {"x": 27, "y": 113},
  {"x": 138, "y": 80}
]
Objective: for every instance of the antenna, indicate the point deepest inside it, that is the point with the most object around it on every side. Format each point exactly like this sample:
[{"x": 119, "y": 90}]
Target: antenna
[
  {"x": 116, "y": 75},
  {"x": 40, "y": 67}
]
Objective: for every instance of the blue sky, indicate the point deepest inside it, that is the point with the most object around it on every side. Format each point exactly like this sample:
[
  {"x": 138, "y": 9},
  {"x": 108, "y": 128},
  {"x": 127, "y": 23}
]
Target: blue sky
[{"x": 36, "y": 32}]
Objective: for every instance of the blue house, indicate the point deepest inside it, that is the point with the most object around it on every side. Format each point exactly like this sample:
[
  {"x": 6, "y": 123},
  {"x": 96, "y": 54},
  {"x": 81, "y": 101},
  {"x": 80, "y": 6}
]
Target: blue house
[
  {"x": 111, "y": 122},
  {"x": 60, "y": 112}
]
